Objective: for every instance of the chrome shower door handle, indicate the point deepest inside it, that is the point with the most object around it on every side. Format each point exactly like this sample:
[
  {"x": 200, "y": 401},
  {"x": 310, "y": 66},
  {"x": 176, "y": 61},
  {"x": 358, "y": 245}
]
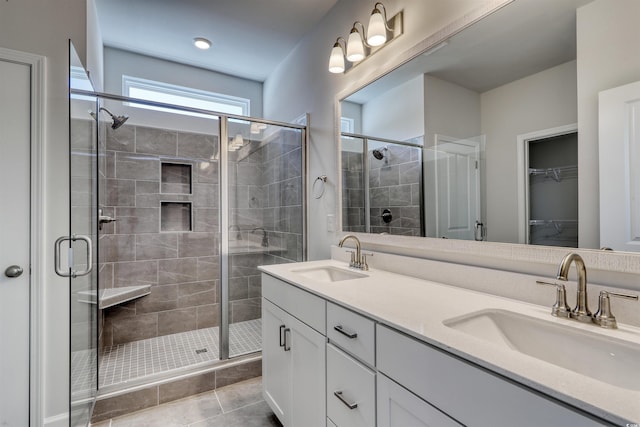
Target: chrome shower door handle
[{"x": 71, "y": 272}]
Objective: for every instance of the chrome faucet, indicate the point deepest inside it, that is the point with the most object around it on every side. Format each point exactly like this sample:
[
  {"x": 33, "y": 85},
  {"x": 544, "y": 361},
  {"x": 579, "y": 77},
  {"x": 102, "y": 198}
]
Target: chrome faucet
[
  {"x": 358, "y": 259},
  {"x": 238, "y": 234},
  {"x": 581, "y": 311},
  {"x": 265, "y": 236}
]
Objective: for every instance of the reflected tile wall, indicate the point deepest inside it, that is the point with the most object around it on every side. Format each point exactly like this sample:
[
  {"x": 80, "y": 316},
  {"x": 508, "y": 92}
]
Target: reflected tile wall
[
  {"x": 394, "y": 184},
  {"x": 353, "y": 218},
  {"x": 266, "y": 194},
  {"x": 181, "y": 267}
]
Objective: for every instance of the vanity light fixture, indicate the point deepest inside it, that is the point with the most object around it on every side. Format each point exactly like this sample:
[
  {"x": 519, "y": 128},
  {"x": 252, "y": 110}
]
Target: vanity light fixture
[
  {"x": 201, "y": 43},
  {"x": 336, "y": 60},
  {"x": 255, "y": 127},
  {"x": 357, "y": 48},
  {"x": 377, "y": 32},
  {"x": 355, "y": 44},
  {"x": 236, "y": 143}
]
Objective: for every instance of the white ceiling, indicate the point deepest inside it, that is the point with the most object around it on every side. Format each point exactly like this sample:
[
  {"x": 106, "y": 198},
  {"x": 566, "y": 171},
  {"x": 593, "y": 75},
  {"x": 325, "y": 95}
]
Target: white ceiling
[{"x": 250, "y": 37}]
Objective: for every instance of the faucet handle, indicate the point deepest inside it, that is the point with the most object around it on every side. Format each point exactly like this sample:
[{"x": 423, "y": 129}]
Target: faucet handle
[
  {"x": 363, "y": 261},
  {"x": 604, "y": 317},
  {"x": 560, "y": 308},
  {"x": 352, "y": 263}
]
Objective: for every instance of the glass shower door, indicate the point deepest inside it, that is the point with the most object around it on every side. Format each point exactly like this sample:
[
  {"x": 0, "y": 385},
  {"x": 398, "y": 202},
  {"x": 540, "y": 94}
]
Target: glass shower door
[
  {"x": 263, "y": 220},
  {"x": 78, "y": 249}
]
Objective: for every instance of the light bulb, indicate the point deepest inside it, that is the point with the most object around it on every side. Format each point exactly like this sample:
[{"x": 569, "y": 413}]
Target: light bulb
[
  {"x": 355, "y": 47},
  {"x": 201, "y": 43},
  {"x": 377, "y": 31},
  {"x": 336, "y": 60}
]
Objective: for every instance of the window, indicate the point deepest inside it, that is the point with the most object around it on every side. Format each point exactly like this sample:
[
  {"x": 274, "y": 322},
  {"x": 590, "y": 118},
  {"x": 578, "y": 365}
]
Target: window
[
  {"x": 179, "y": 95},
  {"x": 347, "y": 125}
]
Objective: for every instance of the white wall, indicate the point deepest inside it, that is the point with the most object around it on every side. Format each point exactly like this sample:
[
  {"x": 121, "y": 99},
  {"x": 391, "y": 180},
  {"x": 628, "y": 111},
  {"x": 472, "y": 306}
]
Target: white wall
[
  {"x": 397, "y": 113},
  {"x": 353, "y": 111},
  {"x": 302, "y": 84},
  {"x": 449, "y": 110},
  {"x": 43, "y": 27},
  {"x": 119, "y": 62},
  {"x": 95, "y": 49},
  {"x": 541, "y": 101},
  {"x": 608, "y": 39}
]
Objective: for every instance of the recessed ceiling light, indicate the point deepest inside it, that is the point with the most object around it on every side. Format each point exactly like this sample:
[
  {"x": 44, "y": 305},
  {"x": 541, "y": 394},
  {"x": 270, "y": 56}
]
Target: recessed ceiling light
[{"x": 201, "y": 43}]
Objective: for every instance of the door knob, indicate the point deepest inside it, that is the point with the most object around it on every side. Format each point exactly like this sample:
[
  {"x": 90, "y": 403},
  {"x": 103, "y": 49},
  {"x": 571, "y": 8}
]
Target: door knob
[{"x": 13, "y": 271}]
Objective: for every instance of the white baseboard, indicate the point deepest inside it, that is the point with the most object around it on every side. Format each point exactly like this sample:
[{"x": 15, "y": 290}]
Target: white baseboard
[{"x": 60, "y": 420}]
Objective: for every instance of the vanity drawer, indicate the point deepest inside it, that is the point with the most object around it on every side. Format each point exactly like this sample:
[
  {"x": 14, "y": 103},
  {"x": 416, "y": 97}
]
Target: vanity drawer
[
  {"x": 467, "y": 393},
  {"x": 349, "y": 383},
  {"x": 305, "y": 306},
  {"x": 351, "y": 332}
]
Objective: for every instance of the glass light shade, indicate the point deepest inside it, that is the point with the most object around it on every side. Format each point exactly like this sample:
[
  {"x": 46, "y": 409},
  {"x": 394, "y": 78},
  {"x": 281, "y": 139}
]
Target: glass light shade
[
  {"x": 377, "y": 32},
  {"x": 336, "y": 60},
  {"x": 355, "y": 47},
  {"x": 237, "y": 142}
]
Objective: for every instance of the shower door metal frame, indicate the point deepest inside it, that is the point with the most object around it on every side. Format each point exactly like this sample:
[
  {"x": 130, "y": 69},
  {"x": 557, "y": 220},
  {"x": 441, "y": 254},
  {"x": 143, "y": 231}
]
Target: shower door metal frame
[
  {"x": 223, "y": 118},
  {"x": 223, "y": 170},
  {"x": 365, "y": 174}
]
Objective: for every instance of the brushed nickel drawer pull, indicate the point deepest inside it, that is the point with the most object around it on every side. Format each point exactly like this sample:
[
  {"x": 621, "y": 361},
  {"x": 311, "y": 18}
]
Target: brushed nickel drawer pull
[
  {"x": 350, "y": 335},
  {"x": 338, "y": 394},
  {"x": 287, "y": 347}
]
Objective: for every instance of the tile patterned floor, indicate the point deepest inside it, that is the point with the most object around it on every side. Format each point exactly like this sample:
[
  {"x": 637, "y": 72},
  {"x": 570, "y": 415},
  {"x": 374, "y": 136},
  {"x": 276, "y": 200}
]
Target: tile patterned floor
[
  {"x": 138, "y": 359},
  {"x": 237, "y": 405}
]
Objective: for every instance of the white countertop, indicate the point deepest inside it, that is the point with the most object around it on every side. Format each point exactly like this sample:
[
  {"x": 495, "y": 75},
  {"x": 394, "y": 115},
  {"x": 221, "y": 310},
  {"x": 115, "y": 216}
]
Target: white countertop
[{"x": 419, "y": 307}]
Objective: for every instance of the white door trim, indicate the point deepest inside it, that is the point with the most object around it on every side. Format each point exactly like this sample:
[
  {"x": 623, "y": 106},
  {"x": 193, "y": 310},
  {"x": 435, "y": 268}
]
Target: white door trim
[
  {"x": 523, "y": 173},
  {"x": 37, "y": 66}
]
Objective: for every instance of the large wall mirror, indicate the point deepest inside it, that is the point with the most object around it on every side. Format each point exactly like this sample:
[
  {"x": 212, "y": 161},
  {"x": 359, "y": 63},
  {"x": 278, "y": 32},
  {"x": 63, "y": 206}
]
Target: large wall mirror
[{"x": 476, "y": 138}]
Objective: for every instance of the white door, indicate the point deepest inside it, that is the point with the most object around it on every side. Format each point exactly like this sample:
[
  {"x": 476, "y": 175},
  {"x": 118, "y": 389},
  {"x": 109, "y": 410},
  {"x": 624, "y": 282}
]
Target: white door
[
  {"x": 457, "y": 186},
  {"x": 15, "y": 140},
  {"x": 619, "y": 155}
]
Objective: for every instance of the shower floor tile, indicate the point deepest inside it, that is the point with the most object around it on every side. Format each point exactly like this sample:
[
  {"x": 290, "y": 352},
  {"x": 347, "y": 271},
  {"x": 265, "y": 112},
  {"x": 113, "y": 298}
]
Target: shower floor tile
[{"x": 138, "y": 359}]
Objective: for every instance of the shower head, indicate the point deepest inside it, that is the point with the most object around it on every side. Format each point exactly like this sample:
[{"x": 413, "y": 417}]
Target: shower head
[
  {"x": 379, "y": 153},
  {"x": 117, "y": 120}
]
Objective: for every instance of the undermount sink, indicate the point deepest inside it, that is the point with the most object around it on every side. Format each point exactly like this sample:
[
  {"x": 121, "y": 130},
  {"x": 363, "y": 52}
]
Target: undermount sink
[
  {"x": 328, "y": 274},
  {"x": 606, "y": 359}
]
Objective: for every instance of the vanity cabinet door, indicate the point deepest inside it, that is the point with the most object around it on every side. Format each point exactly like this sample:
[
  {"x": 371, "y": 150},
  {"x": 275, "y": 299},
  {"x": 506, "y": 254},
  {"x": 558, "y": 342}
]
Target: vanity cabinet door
[
  {"x": 293, "y": 368},
  {"x": 398, "y": 407},
  {"x": 276, "y": 372},
  {"x": 307, "y": 375}
]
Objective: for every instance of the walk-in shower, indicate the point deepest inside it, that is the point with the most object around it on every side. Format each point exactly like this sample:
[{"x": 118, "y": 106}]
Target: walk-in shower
[
  {"x": 382, "y": 186},
  {"x": 198, "y": 201}
]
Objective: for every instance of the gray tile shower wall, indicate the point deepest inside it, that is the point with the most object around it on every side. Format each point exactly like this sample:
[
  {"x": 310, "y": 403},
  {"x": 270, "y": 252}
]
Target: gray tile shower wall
[
  {"x": 353, "y": 192},
  {"x": 156, "y": 241},
  {"x": 162, "y": 188}
]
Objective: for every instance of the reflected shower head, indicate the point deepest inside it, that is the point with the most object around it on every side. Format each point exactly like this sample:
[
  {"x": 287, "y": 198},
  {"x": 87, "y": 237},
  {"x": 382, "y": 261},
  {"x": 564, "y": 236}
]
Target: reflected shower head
[
  {"x": 379, "y": 153},
  {"x": 117, "y": 120}
]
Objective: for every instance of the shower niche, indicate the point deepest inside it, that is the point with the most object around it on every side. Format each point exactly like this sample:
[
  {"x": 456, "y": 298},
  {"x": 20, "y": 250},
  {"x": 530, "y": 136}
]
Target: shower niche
[{"x": 176, "y": 178}]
